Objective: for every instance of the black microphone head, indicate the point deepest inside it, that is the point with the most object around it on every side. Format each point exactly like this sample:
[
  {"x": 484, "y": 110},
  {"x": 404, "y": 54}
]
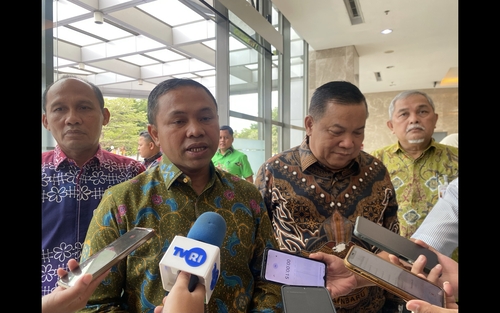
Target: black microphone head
[{"x": 210, "y": 227}]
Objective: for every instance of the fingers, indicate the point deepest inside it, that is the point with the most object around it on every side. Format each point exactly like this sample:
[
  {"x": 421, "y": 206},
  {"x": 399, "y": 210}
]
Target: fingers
[
  {"x": 183, "y": 279},
  {"x": 395, "y": 260},
  {"x": 435, "y": 273},
  {"x": 158, "y": 309},
  {"x": 418, "y": 268},
  {"x": 61, "y": 272},
  {"x": 72, "y": 264},
  {"x": 421, "y": 243},
  {"x": 450, "y": 298},
  {"x": 317, "y": 256}
]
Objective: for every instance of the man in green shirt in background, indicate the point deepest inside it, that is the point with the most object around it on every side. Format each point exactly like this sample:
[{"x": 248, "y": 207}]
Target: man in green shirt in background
[{"x": 229, "y": 159}]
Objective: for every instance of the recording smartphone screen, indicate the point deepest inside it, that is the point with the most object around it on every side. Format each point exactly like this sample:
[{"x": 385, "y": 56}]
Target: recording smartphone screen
[
  {"x": 300, "y": 299},
  {"x": 104, "y": 259},
  {"x": 291, "y": 269},
  {"x": 392, "y": 277}
]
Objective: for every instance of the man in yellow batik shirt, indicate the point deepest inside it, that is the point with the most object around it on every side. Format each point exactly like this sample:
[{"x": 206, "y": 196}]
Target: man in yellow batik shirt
[{"x": 418, "y": 165}]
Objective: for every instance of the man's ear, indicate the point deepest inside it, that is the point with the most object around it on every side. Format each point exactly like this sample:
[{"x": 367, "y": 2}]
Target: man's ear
[
  {"x": 389, "y": 124},
  {"x": 106, "y": 115},
  {"x": 44, "y": 122},
  {"x": 153, "y": 132},
  {"x": 151, "y": 145},
  {"x": 308, "y": 122}
]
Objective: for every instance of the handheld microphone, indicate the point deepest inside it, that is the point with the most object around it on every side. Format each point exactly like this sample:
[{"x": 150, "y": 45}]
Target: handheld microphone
[{"x": 197, "y": 254}]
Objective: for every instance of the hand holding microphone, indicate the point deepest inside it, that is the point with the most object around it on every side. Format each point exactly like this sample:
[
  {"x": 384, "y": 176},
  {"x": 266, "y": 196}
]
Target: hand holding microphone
[
  {"x": 198, "y": 254},
  {"x": 179, "y": 295}
]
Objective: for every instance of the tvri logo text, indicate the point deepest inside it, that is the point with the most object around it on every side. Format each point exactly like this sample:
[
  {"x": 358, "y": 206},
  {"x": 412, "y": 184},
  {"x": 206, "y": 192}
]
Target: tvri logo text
[{"x": 194, "y": 257}]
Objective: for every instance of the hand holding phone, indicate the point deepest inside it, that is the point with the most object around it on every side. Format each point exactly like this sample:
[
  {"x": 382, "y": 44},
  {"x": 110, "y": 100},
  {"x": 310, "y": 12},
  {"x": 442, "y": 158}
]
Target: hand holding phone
[
  {"x": 393, "y": 243},
  {"x": 393, "y": 278},
  {"x": 110, "y": 255},
  {"x": 291, "y": 269}
]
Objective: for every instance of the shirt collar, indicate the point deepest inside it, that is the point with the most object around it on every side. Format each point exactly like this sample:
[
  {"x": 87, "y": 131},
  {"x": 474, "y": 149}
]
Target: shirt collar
[
  {"x": 171, "y": 173},
  {"x": 229, "y": 150},
  {"x": 307, "y": 158},
  {"x": 398, "y": 146},
  {"x": 60, "y": 156},
  {"x": 154, "y": 157}
]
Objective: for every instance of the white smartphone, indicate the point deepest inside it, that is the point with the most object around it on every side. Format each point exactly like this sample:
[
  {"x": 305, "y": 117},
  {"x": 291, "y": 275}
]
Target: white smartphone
[
  {"x": 393, "y": 278},
  {"x": 110, "y": 255},
  {"x": 301, "y": 299},
  {"x": 291, "y": 269},
  {"x": 393, "y": 243}
]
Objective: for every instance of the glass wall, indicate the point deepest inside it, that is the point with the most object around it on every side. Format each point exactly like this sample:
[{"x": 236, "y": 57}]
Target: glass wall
[{"x": 254, "y": 69}]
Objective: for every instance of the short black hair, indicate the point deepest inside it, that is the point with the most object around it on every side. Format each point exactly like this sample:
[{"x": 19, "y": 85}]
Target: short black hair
[
  {"x": 145, "y": 134},
  {"x": 97, "y": 91},
  {"x": 228, "y": 128},
  {"x": 167, "y": 86},
  {"x": 340, "y": 92}
]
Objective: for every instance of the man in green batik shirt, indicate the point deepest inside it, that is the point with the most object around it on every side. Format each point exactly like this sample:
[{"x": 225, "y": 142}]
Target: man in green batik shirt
[
  {"x": 229, "y": 159},
  {"x": 183, "y": 120},
  {"x": 417, "y": 164}
]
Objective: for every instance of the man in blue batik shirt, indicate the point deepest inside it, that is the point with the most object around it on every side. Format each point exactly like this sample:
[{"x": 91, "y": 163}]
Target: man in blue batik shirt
[{"x": 76, "y": 173}]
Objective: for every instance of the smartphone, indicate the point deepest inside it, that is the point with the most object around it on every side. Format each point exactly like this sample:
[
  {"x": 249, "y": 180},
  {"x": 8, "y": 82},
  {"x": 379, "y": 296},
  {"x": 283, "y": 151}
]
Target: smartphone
[
  {"x": 291, "y": 269},
  {"x": 393, "y": 278},
  {"x": 393, "y": 243},
  {"x": 104, "y": 259},
  {"x": 300, "y": 299}
]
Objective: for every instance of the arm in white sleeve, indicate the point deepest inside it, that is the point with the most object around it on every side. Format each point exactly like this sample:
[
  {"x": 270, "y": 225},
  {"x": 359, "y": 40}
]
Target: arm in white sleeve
[{"x": 440, "y": 228}]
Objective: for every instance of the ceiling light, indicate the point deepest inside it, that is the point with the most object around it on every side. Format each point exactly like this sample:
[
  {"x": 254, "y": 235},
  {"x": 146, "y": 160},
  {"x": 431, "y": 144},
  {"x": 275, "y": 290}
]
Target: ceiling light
[
  {"x": 98, "y": 17},
  {"x": 386, "y": 31}
]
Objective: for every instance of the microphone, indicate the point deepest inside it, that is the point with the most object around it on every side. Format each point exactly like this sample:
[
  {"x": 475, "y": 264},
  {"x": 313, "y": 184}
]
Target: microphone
[{"x": 197, "y": 254}]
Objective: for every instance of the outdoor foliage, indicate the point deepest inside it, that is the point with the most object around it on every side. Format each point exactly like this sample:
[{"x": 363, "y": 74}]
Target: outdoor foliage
[{"x": 128, "y": 119}]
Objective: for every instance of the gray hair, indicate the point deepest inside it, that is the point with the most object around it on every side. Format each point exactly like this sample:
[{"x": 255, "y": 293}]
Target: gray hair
[{"x": 406, "y": 94}]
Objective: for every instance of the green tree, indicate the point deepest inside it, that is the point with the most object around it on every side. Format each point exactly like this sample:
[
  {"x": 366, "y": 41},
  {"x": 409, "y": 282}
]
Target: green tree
[
  {"x": 253, "y": 132},
  {"x": 128, "y": 119}
]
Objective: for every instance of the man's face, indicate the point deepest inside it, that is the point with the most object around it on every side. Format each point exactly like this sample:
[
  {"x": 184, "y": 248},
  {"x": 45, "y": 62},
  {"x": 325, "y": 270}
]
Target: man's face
[
  {"x": 144, "y": 147},
  {"x": 225, "y": 140},
  {"x": 413, "y": 120},
  {"x": 74, "y": 116},
  {"x": 337, "y": 137},
  {"x": 187, "y": 128}
]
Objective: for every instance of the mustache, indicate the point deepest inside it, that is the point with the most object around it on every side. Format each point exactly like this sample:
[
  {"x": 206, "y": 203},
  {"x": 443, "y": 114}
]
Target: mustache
[{"x": 413, "y": 126}]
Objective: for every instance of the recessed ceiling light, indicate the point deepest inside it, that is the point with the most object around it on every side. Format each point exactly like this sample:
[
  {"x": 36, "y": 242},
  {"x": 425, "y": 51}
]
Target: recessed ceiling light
[
  {"x": 390, "y": 66},
  {"x": 389, "y": 51},
  {"x": 386, "y": 31}
]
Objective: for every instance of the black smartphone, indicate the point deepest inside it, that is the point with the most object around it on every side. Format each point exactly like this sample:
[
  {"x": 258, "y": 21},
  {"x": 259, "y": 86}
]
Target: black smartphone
[
  {"x": 104, "y": 259},
  {"x": 301, "y": 299},
  {"x": 291, "y": 269},
  {"x": 393, "y": 243},
  {"x": 393, "y": 278}
]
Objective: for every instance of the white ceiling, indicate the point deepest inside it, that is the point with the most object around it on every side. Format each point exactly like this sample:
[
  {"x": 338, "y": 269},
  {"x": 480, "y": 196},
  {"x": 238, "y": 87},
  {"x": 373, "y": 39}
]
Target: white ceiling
[
  {"x": 143, "y": 42},
  {"x": 424, "y": 38}
]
